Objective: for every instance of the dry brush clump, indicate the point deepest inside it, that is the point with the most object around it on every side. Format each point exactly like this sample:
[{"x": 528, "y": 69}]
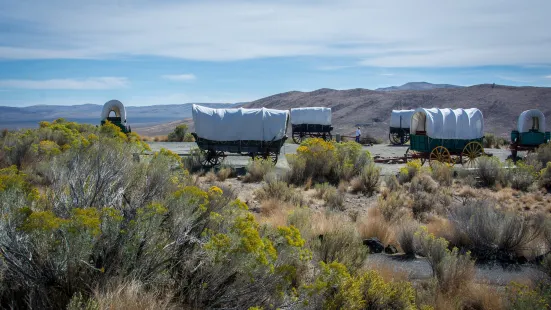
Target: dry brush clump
[
  {"x": 333, "y": 197},
  {"x": 491, "y": 233},
  {"x": 367, "y": 182},
  {"x": 257, "y": 170}
]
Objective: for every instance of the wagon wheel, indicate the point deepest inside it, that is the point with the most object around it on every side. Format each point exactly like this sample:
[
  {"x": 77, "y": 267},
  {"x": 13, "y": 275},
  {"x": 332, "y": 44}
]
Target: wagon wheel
[
  {"x": 272, "y": 156},
  {"x": 416, "y": 155},
  {"x": 440, "y": 154},
  {"x": 394, "y": 138},
  {"x": 471, "y": 153},
  {"x": 298, "y": 137},
  {"x": 406, "y": 137},
  {"x": 211, "y": 158},
  {"x": 327, "y": 136}
]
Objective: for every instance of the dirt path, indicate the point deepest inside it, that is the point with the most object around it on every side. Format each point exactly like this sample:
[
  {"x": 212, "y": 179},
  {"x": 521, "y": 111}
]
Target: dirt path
[{"x": 381, "y": 150}]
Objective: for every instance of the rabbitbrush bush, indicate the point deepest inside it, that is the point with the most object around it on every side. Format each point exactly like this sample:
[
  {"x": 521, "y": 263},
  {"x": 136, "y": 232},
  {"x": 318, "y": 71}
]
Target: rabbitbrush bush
[{"x": 326, "y": 161}]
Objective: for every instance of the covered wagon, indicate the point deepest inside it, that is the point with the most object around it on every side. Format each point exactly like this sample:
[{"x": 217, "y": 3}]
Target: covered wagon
[
  {"x": 114, "y": 112},
  {"x": 530, "y": 132},
  {"x": 446, "y": 135},
  {"x": 400, "y": 121},
  {"x": 258, "y": 133},
  {"x": 311, "y": 122}
]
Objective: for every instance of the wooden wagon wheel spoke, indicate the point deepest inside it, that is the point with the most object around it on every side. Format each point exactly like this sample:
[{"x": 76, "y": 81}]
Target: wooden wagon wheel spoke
[
  {"x": 406, "y": 137},
  {"x": 298, "y": 137},
  {"x": 471, "y": 152},
  {"x": 439, "y": 154},
  {"x": 394, "y": 138},
  {"x": 210, "y": 158}
]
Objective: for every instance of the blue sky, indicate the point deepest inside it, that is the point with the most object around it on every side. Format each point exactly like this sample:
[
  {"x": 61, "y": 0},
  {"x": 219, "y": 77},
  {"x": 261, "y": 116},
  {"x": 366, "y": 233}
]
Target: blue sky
[{"x": 146, "y": 52}]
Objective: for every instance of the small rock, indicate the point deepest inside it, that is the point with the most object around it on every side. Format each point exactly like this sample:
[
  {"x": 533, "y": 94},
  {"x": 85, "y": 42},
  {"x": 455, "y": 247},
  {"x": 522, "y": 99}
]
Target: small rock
[
  {"x": 390, "y": 249},
  {"x": 374, "y": 244}
]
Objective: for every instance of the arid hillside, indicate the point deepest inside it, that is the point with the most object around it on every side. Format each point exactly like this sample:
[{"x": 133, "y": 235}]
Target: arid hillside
[{"x": 370, "y": 109}]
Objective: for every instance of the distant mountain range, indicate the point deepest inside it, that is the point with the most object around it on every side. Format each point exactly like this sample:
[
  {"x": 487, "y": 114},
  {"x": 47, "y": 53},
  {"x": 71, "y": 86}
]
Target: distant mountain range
[
  {"x": 418, "y": 86},
  {"x": 370, "y": 109},
  {"x": 28, "y": 117}
]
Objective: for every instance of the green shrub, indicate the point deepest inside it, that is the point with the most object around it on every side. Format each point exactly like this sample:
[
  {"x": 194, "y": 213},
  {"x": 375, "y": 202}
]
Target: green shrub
[
  {"x": 522, "y": 176},
  {"x": 367, "y": 182},
  {"x": 489, "y": 170},
  {"x": 341, "y": 243},
  {"x": 335, "y": 288},
  {"x": 279, "y": 190},
  {"x": 392, "y": 205},
  {"x": 104, "y": 219},
  {"x": 522, "y": 297},
  {"x": 406, "y": 237},
  {"x": 442, "y": 173},
  {"x": 180, "y": 134},
  {"x": 333, "y": 197},
  {"x": 193, "y": 162},
  {"x": 452, "y": 270},
  {"x": 545, "y": 177},
  {"x": 492, "y": 233}
]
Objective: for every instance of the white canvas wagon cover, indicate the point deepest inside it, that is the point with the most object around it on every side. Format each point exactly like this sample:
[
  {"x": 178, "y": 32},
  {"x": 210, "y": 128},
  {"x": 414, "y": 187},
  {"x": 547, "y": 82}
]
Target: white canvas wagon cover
[
  {"x": 406, "y": 118},
  {"x": 115, "y": 106},
  {"x": 462, "y": 124},
  {"x": 311, "y": 116},
  {"x": 531, "y": 119},
  {"x": 239, "y": 124}
]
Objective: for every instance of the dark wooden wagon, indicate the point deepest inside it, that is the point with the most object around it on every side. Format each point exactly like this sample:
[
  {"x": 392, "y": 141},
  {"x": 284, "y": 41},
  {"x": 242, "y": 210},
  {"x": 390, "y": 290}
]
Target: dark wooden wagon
[
  {"x": 304, "y": 131},
  {"x": 213, "y": 152}
]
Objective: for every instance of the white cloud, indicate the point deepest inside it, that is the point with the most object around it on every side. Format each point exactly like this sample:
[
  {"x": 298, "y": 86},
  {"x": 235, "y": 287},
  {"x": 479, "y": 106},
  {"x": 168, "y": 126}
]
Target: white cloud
[
  {"x": 332, "y": 68},
  {"x": 98, "y": 83},
  {"x": 179, "y": 77},
  {"x": 547, "y": 76},
  {"x": 398, "y": 33}
]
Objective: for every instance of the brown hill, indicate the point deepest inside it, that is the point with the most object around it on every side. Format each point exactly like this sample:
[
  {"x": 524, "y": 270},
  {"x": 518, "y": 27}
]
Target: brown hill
[{"x": 371, "y": 110}]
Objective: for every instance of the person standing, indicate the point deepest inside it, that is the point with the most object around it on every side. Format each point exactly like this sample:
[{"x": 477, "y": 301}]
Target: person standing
[{"x": 358, "y": 134}]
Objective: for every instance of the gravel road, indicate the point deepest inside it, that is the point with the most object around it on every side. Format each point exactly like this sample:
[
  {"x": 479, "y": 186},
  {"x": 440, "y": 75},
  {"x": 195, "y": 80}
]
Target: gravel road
[{"x": 382, "y": 150}]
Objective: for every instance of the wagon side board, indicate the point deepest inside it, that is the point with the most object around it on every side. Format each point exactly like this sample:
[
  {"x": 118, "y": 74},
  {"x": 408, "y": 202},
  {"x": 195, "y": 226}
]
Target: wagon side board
[
  {"x": 425, "y": 144},
  {"x": 531, "y": 138}
]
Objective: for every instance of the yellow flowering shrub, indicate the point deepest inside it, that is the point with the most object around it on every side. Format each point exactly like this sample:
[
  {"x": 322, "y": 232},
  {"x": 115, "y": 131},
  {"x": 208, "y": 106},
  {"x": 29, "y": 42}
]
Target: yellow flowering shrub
[
  {"x": 339, "y": 289},
  {"x": 327, "y": 161},
  {"x": 11, "y": 177}
]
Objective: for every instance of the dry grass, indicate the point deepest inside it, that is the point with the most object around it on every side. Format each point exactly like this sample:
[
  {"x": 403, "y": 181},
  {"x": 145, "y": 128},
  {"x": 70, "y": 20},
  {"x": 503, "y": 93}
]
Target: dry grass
[
  {"x": 162, "y": 138},
  {"x": 274, "y": 213},
  {"x": 388, "y": 272},
  {"x": 224, "y": 173},
  {"x": 210, "y": 177},
  {"x": 257, "y": 170},
  {"x": 374, "y": 225},
  {"x": 405, "y": 236},
  {"x": 131, "y": 296}
]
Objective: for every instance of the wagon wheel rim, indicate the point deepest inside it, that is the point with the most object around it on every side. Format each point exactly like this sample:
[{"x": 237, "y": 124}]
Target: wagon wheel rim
[
  {"x": 394, "y": 138},
  {"x": 406, "y": 137},
  {"x": 271, "y": 156},
  {"x": 297, "y": 137},
  {"x": 440, "y": 154},
  {"x": 471, "y": 152},
  {"x": 211, "y": 158},
  {"x": 327, "y": 137}
]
